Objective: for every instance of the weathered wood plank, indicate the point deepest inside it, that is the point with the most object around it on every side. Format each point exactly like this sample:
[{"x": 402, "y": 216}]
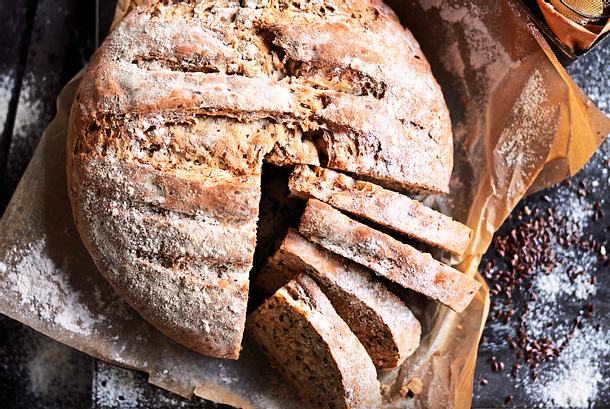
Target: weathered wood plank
[
  {"x": 83, "y": 39},
  {"x": 14, "y": 37},
  {"x": 41, "y": 82}
]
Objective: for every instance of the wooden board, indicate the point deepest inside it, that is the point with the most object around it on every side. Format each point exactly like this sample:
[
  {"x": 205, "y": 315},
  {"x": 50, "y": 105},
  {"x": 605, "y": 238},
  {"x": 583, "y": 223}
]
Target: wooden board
[{"x": 14, "y": 39}]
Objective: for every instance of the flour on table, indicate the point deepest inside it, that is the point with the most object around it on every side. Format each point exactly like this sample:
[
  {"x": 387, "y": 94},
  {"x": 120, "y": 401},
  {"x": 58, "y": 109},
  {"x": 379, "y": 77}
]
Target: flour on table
[
  {"x": 115, "y": 387},
  {"x": 557, "y": 283},
  {"x": 30, "y": 107},
  {"x": 578, "y": 373},
  {"x": 31, "y": 118},
  {"x": 44, "y": 289},
  {"x": 563, "y": 354},
  {"x": 574, "y": 379},
  {"x": 55, "y": 371},
  {"x": 583, "y": 367},
  {"x": 553, "y": 290},
  {"x": 6, "y": 93},
  {"x": 43, "y": 373}
]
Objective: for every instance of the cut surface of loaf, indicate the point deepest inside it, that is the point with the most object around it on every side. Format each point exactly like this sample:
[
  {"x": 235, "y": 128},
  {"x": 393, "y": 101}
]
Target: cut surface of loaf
[
  {"x": 386, "y": 256},
  {"x": 385, "y": 207},
  {"x": 385, "y": 326},
  {"x": 313, "y": 348},
  {"x": 182, "y": 104}
]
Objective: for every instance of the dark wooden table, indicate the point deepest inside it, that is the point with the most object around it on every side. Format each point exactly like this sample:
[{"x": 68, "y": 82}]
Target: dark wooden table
[{"x": 43, "y": 43}]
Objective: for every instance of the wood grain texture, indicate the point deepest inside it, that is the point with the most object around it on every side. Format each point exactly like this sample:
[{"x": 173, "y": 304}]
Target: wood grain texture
[
  {"x": 14, "y": 42},
  {"x": 40, "y": 84}
]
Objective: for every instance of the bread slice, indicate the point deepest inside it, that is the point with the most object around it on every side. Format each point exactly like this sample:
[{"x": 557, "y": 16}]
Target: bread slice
[
  {"x": 382, "y": 206},
  {"x": 385, "y": 326},
  {"x": 386, "y": 256},
  {"x": 313, "y": 348}
]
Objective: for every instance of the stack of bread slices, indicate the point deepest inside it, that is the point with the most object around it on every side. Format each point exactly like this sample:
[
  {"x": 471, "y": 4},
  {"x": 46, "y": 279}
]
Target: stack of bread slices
[
  {"x": 337, "y": 319},
  {"x": 179, "y": 110}
]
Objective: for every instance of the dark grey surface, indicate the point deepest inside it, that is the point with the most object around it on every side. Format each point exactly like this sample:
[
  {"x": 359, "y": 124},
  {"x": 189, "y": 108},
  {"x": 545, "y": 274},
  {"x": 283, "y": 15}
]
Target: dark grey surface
[
  {"x": 502, "y": 384},
  {"x": 592, "y": 74},
  {"x": 36, "y": 372}
]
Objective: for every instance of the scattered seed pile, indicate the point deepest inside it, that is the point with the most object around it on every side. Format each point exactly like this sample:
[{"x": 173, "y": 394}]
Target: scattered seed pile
[
  {"x": 543, "y": 275},
  {"x": 546, "y": 254}
]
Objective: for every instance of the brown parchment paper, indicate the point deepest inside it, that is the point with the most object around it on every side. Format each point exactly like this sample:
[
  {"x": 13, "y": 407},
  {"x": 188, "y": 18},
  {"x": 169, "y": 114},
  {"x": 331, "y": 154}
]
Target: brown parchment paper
[{"x": 520, "y": 124}]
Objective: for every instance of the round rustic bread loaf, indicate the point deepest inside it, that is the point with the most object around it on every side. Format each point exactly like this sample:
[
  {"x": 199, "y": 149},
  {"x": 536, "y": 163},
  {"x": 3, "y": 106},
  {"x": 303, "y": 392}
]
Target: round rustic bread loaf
[{"x": 183, "y": 103}]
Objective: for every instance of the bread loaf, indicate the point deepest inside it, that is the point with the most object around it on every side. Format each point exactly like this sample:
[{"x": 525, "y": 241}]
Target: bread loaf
[
  {"x": 386, "y": 256},
  {"x": 181, "y": 105},
  {"x": 382, "y": 322},
  {"x": 313, "y": 348},
  {"x": 382, "y": 206}
]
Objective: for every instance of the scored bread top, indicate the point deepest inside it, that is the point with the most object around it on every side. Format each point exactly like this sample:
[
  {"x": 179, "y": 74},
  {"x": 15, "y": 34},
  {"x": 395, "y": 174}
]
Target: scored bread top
[
  {"x": 182, "y": 263},
  {"x": 288, "y": 79}
]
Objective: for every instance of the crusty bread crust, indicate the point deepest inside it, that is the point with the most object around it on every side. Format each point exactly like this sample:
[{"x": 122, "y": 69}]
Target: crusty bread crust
[
  {"x": 385, "y": 326},
  {"x": 184, "y": 101},
  {"x": 314, "y": 349},
  {"x": 172, "y": 260},
  {"x": 386, "y": 256},
  {"x": 385, "y": 207},
  {"x": 345, "y": 74}
]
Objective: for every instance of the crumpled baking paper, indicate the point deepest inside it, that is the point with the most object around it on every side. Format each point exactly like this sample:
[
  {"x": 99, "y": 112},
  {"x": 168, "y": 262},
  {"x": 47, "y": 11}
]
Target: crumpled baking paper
[{"x": 520, "y": 124}]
